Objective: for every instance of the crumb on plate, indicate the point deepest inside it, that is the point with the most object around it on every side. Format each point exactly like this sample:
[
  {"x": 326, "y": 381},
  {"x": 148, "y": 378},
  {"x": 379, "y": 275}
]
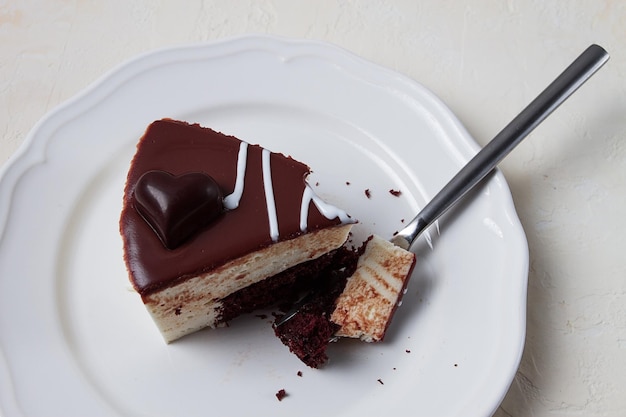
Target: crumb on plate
[{"x": 281, "y": 394}]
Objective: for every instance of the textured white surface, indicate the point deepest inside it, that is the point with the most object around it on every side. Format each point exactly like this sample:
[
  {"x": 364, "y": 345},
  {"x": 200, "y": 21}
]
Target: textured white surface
[{"x": 486, "y": 59}]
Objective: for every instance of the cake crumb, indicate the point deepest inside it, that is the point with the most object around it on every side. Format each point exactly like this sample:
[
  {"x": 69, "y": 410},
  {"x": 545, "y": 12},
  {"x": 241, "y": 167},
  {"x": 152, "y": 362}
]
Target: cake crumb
[
  {"x": 347, "y": 182},
  {"x": 281, "y": 394},
  {"x": 380, "y": 381},
  {"x": 368, "y": 193},
  {"x": 299, "y": 373},
  {"x": 407, "y": 351},
  {"x": 456, "y": 365},
  {"x": 395, "y": 193}
]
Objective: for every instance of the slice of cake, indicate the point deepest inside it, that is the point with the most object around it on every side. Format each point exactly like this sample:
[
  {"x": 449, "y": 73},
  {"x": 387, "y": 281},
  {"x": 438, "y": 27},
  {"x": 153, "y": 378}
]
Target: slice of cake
[{"x": 214, "y": 227}]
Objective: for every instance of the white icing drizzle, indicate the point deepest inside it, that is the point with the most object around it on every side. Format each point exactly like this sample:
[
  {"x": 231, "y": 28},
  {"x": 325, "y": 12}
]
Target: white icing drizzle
[
  {"x": 269, "y": 195},
  {"x": 329, "y": 211},
  {"x": 231, "y": 201}
]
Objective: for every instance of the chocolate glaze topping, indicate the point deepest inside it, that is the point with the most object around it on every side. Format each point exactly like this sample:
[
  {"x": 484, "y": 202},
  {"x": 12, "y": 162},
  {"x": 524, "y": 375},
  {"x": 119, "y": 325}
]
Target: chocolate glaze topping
[{"x": 179, "y": 148}]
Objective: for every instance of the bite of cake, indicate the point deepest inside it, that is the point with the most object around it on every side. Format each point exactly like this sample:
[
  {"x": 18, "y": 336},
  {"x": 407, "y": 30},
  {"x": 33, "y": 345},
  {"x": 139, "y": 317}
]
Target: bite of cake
[
  {"x": 372, "y": 293},
  {"x": 360, "y": 292}
]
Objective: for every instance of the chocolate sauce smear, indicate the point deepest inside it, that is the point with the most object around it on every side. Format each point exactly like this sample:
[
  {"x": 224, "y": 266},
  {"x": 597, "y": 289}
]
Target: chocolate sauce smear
[{"x": 177, "y": 207}]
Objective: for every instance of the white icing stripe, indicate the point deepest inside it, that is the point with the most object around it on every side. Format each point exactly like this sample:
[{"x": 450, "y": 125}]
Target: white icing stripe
[
  {"x": 269, "y": 195},
  {"x": 307, "y": 196},
  {"x": 231, "y": 201},
  {"x": 329, "y": 211}
]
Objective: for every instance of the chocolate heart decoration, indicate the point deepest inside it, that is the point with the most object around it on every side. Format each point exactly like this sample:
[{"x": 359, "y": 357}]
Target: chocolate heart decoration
[{"x": 177, "y": 207}]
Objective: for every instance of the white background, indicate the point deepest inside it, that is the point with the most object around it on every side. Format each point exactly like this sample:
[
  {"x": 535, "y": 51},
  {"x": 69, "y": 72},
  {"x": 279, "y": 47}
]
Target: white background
[{"x": 486, "y": 60}]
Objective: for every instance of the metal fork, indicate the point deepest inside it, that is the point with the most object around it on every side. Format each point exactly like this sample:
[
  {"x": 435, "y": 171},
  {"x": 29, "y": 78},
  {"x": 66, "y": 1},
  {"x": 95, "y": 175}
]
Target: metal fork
[{"x": 486, "y": 160}]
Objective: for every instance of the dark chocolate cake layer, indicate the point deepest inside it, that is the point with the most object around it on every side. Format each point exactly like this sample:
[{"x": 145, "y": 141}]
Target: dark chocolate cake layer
[{"x": 308, "y": 333}]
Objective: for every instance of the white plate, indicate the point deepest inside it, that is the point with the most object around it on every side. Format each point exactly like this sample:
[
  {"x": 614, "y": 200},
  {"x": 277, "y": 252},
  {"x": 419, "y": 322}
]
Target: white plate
[{"x": 75, "y": 341}]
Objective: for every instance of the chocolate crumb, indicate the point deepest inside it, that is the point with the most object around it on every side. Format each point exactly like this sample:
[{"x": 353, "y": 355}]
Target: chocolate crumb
[
  {"x": 281, "y": 394},
  {"x": 401, "y": 220},
  {"x": 456, "y": 365},
  {"x": 261, "y": 316},
  {"x": 395, "y": 193},
  {"x": 407, "y": 351},
  {"x": 299, "y": 373},
  {"x": 177, "y": 311},
  {"x": 347, "y": 182},
  {"x": 368, "y": 194},
  {"x": 380, "y": 381}
]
